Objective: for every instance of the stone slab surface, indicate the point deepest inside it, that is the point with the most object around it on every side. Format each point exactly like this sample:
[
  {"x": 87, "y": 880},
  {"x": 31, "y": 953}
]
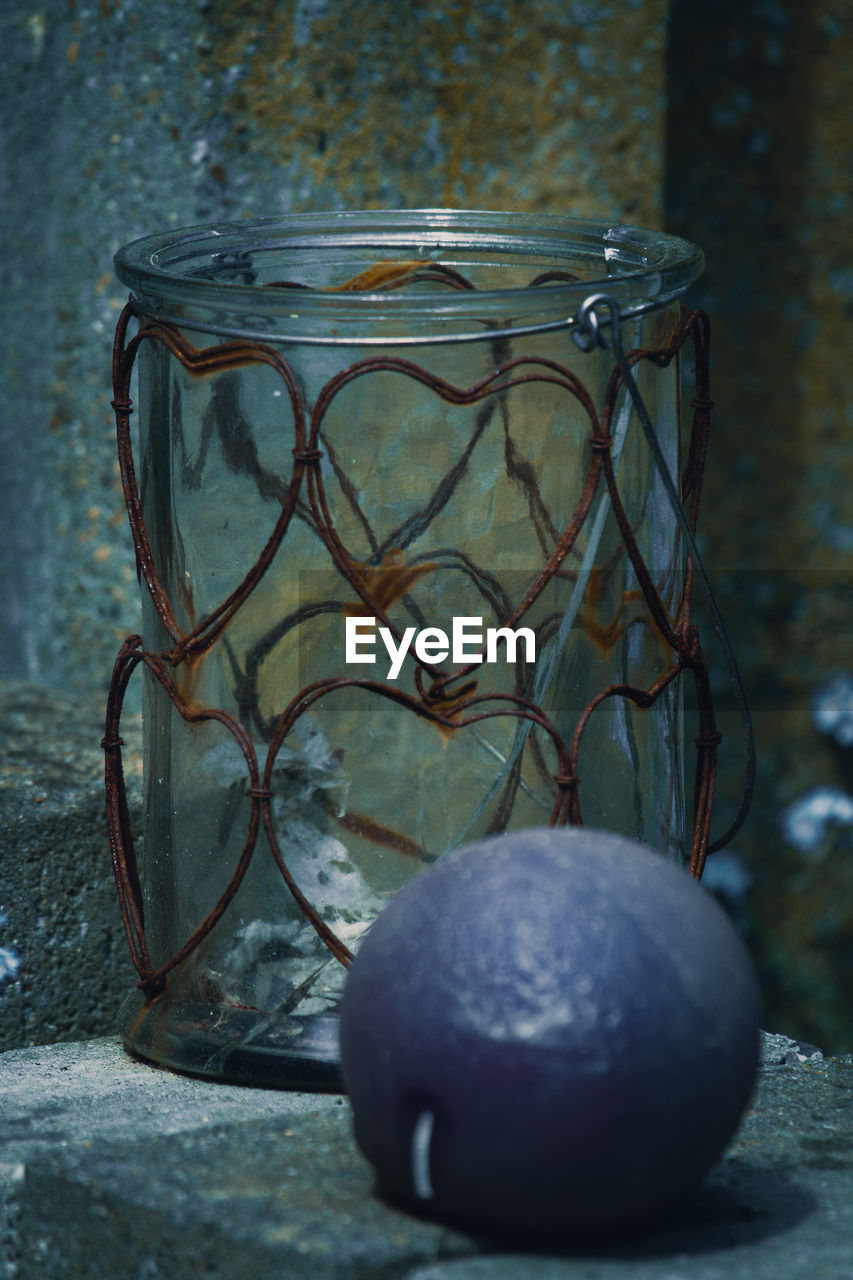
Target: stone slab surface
[{"x": 109, "y": 1167}]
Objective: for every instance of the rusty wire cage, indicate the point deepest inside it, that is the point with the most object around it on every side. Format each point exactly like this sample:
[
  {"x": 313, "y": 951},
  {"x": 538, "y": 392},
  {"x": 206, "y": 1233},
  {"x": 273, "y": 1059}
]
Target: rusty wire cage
[{"x": 375, "y": 426}]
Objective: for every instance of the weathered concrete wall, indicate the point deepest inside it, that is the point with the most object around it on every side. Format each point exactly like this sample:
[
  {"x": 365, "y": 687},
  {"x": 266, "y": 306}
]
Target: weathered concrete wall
[
  {"x": 127, "y": 118},
  {"x": 760, "y": 172},
  {"x": 124, "y": 118},
  {"x": 499, "y": 105}
]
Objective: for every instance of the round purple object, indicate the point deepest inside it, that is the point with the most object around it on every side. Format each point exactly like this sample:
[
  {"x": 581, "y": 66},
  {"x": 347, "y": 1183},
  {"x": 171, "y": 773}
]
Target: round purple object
[{"x": 551, "y": 1033}]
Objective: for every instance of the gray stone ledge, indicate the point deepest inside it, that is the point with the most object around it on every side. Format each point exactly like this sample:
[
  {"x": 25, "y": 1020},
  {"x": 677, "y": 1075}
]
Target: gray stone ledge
[
  {"x": 64, "y": 964},
  {"x": 111, "y": 1168}
]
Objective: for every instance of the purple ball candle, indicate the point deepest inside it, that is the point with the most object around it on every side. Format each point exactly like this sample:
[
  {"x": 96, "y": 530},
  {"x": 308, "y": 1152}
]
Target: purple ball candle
[{"x": 551, "y": 1033}]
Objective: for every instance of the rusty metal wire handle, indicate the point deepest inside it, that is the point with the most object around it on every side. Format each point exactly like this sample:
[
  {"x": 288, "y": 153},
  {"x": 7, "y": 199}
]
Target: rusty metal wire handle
[
  {"x": 587, "y": 334},
  {"x": 487, "y": 333}
]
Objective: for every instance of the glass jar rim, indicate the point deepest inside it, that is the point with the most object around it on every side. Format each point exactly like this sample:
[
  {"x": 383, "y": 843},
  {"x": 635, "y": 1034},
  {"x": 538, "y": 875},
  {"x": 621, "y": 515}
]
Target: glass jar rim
[{"x": 177, "y": 275}]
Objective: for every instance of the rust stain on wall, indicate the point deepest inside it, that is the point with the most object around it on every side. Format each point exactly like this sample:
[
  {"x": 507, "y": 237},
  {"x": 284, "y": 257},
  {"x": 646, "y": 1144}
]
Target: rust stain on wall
[{"x": 461, "y": 104}]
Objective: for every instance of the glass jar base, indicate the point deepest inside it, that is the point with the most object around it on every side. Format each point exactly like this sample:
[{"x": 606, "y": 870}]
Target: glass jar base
[{"x": 240, "y": 1046}]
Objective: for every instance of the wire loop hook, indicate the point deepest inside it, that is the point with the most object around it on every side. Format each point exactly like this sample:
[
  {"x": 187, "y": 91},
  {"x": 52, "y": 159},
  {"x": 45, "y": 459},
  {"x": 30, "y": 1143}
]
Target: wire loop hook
[{"x": 586, "y": 327}]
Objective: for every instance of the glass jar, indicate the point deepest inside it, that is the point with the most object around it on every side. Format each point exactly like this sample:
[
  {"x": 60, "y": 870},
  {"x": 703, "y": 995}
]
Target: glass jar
[{"x": 388, "y": 595}]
